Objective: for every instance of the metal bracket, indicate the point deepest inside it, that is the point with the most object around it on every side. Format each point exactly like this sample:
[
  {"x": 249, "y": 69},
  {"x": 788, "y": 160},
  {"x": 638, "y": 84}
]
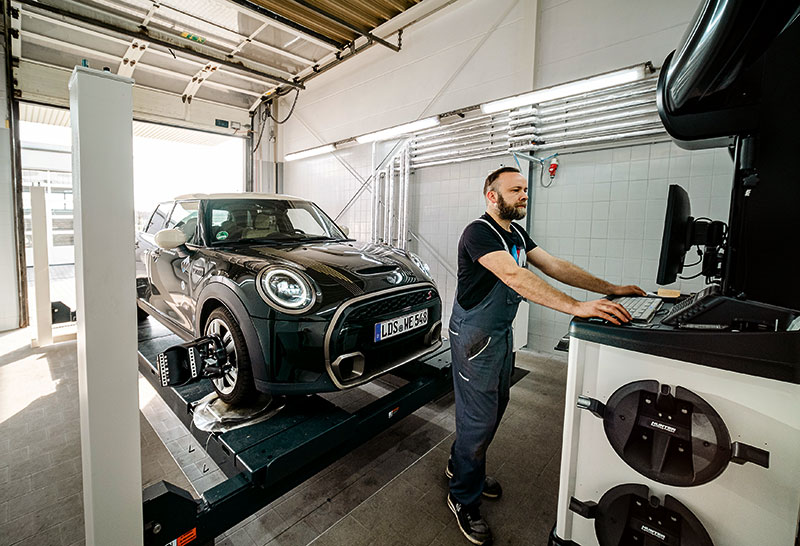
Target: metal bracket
[
  {"x": 597, "y": 408},
  {"x": 743, "y": 453},
  {"x": 586, "y": 509}
]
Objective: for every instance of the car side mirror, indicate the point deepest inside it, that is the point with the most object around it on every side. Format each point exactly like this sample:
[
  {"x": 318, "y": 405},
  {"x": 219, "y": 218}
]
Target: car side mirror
[
  {"x": 170, "y": 238},
  {"x": 345, "y": 230}
]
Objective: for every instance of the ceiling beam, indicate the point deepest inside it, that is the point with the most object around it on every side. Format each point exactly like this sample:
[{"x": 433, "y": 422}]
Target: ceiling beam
[
  {"x": 254, "y": 10},
  {"x": 341, "y": 22},
  {"x": 131, "y": 29}
]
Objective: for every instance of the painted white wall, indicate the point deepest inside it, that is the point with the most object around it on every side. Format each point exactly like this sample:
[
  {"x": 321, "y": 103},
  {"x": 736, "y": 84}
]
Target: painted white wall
[
  {"x": 578, "y": 38},
  {"x": 448, "y": 60},
  {"x": 568, "y": 39}
]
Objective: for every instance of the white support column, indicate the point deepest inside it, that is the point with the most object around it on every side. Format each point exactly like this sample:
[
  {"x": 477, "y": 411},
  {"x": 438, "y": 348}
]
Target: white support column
[
  {"x": 41, "y": 268},
  {"x": 102, "y": 170}
]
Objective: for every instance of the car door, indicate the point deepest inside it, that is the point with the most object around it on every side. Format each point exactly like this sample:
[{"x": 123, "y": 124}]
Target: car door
[
  {"x": 143, "y": 249},
  {"x": 170, "y": 268}
]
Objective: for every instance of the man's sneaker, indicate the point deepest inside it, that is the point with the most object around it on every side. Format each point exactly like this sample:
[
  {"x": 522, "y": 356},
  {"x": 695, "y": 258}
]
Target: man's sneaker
[
  {"x": 491, "y": 487},
  {"x": 470, "y": 522}
]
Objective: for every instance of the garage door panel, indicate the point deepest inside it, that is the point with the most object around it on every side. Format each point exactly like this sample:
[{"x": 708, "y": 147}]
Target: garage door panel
[{"x": 48, "y": 85}]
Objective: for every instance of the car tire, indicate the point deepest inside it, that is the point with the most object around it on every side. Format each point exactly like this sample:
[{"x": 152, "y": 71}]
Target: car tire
[
  {"x": 236, "y": 387},
  {"x": 141, "y": 314}
]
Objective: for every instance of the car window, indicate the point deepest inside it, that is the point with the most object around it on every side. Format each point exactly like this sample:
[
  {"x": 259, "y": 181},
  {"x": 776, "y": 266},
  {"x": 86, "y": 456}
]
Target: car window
[
  {"x": 276, "y": 220},
  {"x": 159, "y": 218},
  {"x": 184, "y": 218},
  {"x": 219, "y": 216},
  {"x": 303, "y": 220}
]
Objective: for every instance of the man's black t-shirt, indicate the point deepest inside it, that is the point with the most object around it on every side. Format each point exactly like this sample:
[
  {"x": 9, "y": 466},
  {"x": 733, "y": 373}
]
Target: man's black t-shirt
[{"x": 478, "y": 239}]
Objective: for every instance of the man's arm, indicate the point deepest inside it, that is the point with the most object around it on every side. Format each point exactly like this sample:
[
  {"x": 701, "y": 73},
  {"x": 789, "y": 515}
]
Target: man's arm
[
  {"x": 571, "y": 274},
  {"x": 533, "y": 288}
]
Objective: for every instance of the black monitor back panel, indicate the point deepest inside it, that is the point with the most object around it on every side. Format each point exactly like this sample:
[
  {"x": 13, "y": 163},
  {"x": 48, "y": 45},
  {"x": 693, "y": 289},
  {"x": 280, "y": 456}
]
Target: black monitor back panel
[{"x": 765, "y": 261}]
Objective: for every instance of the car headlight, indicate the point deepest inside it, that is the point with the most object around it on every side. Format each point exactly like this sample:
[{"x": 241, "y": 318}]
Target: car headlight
[
  {"x": 420, "y": 264},
  {"x": 288, "y": 290}
]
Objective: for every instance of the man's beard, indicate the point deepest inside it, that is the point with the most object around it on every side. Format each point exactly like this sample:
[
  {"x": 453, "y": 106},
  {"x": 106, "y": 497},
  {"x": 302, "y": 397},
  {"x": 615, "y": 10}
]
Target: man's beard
[{"x": 509, "y": 212}]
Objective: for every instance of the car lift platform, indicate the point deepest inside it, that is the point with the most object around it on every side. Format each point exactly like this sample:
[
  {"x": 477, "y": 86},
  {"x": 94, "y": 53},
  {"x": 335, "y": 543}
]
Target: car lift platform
[{"x": 265, "y": 460}]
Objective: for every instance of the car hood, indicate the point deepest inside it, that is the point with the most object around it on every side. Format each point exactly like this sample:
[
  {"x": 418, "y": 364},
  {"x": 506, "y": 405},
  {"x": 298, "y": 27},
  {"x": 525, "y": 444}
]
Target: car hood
[{"x": 356, "y": 268}]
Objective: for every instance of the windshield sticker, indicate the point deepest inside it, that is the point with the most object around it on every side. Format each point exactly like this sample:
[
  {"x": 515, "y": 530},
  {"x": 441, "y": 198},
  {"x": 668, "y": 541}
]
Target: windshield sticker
[{"x": 222, "y": 235}]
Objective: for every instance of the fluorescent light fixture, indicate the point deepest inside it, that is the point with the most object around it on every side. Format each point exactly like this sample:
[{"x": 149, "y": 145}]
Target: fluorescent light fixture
[
  {"x": 392, "y": 132},
  {"x": 310, "y": 152},
  {"x": 609, "y": 79}
]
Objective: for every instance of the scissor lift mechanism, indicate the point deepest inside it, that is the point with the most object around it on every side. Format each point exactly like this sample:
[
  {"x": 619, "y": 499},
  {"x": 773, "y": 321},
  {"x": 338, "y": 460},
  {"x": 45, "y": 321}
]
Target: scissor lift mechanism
[{"x": 265, "y": 460}]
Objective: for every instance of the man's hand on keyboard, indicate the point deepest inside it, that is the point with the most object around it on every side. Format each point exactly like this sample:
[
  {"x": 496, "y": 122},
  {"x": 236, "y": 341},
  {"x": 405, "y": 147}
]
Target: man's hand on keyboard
[
  {"x": 627, "y": 290},
  {"x": 604, "y": 309}
]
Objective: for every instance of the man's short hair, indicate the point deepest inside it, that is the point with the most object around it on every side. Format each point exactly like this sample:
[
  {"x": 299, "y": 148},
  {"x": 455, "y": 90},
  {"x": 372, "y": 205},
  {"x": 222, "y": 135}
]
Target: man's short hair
[{"x": 494, "y": 175}]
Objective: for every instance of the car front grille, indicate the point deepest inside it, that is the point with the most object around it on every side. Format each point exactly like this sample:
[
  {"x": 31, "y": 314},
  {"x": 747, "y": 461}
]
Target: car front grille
[
  {"x": 391, "y": 304},
  {"x": 351, "y": 332}
]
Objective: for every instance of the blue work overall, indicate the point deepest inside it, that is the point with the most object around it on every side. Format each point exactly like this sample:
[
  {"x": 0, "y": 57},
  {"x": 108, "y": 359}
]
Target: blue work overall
[{"x": 481, "y": 341}]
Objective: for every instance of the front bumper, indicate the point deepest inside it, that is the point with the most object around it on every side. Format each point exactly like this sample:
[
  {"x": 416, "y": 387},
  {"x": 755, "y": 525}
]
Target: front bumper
[{"x": 353, "y": 357}]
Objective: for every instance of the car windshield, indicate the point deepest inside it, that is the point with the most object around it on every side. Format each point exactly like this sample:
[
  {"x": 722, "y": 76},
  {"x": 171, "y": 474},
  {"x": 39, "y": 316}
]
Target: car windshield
[{"x": 268, "y": 220}]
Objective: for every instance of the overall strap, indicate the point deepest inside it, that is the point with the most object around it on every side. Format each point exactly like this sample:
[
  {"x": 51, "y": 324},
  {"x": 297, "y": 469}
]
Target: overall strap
[
  {"x": 502, "y": 239},
  {"x": 519, "y": 232}
]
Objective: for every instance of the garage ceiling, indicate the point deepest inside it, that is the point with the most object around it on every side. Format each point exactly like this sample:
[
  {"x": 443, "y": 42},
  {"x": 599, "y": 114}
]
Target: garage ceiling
[{"x": 197, "y": 63}]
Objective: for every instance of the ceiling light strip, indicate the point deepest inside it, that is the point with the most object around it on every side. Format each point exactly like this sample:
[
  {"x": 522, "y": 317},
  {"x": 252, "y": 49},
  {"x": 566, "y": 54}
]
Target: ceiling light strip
[{"x": 585, "y": 85}]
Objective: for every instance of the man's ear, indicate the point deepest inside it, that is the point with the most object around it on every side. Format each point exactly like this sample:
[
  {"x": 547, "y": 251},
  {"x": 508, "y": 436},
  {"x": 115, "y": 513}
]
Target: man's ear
[{"x": 491, "y": 196}]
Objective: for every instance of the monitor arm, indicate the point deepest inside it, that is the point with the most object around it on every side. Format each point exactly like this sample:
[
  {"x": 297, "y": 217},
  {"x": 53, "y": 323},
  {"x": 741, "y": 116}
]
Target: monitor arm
[{"x": 711, "y": 234}]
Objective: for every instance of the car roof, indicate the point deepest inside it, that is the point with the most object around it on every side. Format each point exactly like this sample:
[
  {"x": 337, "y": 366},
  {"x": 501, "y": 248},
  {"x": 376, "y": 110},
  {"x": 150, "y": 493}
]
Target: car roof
[{"x": 240, "y": 195}]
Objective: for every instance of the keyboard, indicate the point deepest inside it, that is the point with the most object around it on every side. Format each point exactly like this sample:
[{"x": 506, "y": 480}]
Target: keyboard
[{"x": 641, "y": 308}]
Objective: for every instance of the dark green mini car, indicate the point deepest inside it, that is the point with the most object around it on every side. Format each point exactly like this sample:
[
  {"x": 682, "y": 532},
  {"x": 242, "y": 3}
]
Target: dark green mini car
[{"x": 299, "y": 307}]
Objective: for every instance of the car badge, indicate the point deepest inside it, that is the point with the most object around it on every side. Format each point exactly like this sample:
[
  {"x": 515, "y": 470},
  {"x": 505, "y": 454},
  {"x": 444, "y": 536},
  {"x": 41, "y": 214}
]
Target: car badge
[
  {"x": 395, "y": 277},
  {"x": 429, "y": 295}
]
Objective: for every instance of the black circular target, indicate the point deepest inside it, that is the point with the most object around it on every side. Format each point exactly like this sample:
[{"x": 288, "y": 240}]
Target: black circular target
[
  {"x": 675, "y": 439},
  {"x": 627, "y": 515}
]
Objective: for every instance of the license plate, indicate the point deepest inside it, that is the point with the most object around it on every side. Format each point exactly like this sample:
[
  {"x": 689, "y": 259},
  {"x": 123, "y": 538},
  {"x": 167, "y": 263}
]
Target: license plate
[{"x": 396, "y": 326}]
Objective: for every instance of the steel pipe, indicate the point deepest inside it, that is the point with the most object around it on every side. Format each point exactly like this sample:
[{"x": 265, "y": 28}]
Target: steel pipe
[
  {"x": 605, "y": 108},
  {"x": 542, "y": 131},
  {"x": 459, "y": 131},
  {"x": 460, "y": 152},
  {"x": 480, "y": 131},
  {"x": 497, "y": 138},
  {"x": 375, "y": 197},
  {"x": 546, "y": 108},
  {"x": 603, "y": 128},
  {"x": 636, "y": 112},
  {"x": 406, "y": 168},
  {"x": 459, "y": 159},
  {"x": 475, "y": 119},
  {"x": 617, "y": 104},
  {"x": 599, "y": 93},
  {"x": 589, "y": 140}
]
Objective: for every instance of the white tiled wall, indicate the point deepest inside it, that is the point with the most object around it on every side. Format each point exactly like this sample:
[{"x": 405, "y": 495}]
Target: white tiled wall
[
  {"x": 330, "y": 185},
  {"x": 443, "y": 200},
  {"x": 604, "y": 212}
]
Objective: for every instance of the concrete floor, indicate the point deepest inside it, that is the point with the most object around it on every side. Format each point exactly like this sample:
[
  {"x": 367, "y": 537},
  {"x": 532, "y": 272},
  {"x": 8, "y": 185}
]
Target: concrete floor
[{"x": 389, "y": 491}]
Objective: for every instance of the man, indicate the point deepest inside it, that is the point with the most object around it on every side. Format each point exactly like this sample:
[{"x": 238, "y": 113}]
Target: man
[{"x": 492, "y": 280}]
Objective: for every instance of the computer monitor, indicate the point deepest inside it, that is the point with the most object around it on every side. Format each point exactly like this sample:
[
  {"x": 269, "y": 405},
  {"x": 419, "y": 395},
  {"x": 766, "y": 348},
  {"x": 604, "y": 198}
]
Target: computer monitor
[{"x": 676, "y": 239}]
